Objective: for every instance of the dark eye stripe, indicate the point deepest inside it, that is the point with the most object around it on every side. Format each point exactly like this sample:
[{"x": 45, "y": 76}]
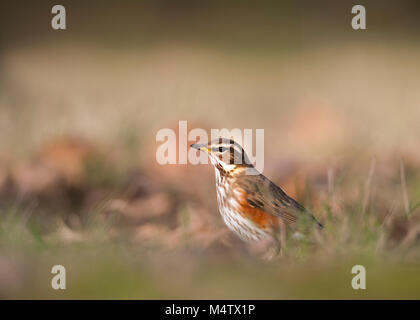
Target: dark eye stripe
[{"x": 219, "y": 149}]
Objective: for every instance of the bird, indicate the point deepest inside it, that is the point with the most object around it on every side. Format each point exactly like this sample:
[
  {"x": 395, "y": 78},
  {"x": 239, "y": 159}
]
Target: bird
[{"x": 251, "y": 205}]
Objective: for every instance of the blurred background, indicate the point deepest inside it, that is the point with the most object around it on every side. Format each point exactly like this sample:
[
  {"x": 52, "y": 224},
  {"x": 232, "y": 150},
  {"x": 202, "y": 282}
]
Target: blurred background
[{"x": 79, "y": 113}]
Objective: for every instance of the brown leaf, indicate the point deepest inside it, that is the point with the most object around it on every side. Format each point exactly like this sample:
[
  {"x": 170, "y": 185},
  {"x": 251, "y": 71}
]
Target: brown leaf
[
  {"x": 142, "y": 209},
  {"x": 68, "y": 156},
  {"x": 35, "y": 178}
]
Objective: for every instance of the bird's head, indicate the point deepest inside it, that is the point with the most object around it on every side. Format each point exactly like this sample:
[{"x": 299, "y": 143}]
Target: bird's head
[{"x": 225, "y": 154}]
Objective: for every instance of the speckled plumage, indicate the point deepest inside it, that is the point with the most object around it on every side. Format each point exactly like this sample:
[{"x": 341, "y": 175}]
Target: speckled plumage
[{"x": 251, "y": 205}]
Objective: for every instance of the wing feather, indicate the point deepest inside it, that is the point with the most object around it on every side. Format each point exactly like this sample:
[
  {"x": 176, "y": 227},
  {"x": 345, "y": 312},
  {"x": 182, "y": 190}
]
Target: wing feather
[{"x": 263, "y": 194}]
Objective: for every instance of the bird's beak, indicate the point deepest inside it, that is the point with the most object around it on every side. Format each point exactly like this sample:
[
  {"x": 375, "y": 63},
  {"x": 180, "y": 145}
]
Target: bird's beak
[{"x": 201, "y": 147}]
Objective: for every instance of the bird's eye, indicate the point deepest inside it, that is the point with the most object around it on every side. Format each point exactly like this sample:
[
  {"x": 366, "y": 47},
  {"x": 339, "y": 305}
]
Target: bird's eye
[{"x": 219, "y": 149}]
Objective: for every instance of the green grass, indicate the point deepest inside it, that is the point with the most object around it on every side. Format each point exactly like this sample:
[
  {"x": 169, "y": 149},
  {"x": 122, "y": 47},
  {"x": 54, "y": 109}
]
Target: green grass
[{"x": 100, "y": 266}]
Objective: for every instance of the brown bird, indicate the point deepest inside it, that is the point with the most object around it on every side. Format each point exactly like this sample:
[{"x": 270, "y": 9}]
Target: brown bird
[{"x": 251, "y": 205}]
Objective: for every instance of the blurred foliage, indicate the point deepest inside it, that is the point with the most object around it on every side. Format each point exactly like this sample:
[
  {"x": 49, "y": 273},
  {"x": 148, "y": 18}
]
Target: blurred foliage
[
  {"x": 79, "y": 112},
  {"x": 235, "y": 25}
]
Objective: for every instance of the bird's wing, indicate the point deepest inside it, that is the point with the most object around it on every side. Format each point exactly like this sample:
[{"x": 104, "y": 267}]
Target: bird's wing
[{"x": 261, "y": 193}]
